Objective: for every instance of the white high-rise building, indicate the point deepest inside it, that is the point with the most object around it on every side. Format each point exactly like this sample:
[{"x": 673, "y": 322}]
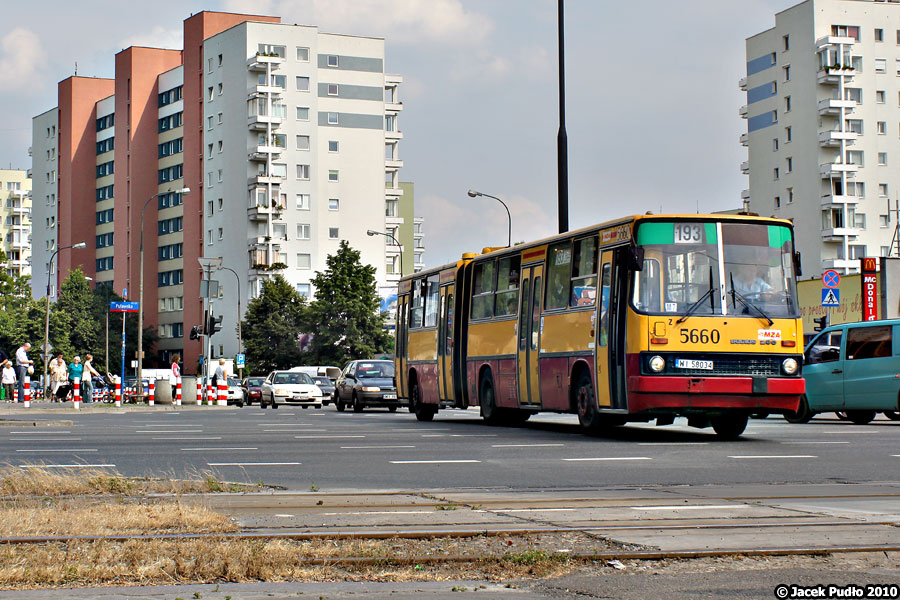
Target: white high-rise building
[
  {"x": 15, "y": 221},
  {"x": 823, "y": 128}
]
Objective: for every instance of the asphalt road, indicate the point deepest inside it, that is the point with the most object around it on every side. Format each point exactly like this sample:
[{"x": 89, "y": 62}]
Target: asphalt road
[{"x": 299, "y": 449}]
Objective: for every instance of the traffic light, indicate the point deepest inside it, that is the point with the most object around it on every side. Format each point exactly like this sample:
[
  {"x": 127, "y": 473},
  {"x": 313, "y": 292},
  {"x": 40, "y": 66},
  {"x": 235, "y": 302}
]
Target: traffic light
[
  {"x": 213, "y": 325},
  {"x": 821, "y": 323},
  {"x": 196, "y": 331}
]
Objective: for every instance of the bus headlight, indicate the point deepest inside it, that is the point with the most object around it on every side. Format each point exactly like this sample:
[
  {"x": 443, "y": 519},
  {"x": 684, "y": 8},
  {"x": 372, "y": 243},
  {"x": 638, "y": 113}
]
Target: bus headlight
[
  {"x": 657, "y": 363},
  {"x": 789, "y": 366}
]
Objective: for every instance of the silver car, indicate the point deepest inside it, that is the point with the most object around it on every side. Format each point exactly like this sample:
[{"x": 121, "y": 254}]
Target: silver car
[{"x": 289, "y": 387}]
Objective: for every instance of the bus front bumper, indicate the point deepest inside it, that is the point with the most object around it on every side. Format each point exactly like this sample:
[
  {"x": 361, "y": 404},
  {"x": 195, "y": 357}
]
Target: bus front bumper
[{"x": 774, "y": 393}]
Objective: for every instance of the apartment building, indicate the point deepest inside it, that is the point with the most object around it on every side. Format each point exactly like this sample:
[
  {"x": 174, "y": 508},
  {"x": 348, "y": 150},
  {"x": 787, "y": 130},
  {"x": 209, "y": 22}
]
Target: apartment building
[
  {"x": 823, "y": 128},
  {"x": 15, "y": 221},
  {"x": 260, "y": 144}
]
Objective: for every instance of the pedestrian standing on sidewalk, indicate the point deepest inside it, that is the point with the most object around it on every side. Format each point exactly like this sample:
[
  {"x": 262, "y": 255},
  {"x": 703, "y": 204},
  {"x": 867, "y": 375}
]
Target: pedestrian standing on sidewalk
[
  {"x": 76, "y": 369},
  {"x": 220, "y": 374},
  {"x": 23, "y": 365},
  {"x": 87, "y": 384},
  {"x": 59, "y": 372},
  {"x": 8, "y": 380}
]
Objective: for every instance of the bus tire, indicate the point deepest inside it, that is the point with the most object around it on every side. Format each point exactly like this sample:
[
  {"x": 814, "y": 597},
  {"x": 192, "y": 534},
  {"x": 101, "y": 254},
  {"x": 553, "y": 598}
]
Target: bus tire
[
  {"x": 517, "y": 416},
  {"x": 585, "y": 404},
  {"x": 729, "y": 427},
  {"x": 803, "y": 414},
  {"x": 861, "y": 417},
  {"x": 422, "y": 411},
  {"x": 489, "y": 411},
  {"x": 893, "y": 415}
]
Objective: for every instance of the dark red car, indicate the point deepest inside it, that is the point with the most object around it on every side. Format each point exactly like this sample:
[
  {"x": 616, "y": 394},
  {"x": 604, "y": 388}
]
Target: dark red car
[{"x": 251, "y": 388}]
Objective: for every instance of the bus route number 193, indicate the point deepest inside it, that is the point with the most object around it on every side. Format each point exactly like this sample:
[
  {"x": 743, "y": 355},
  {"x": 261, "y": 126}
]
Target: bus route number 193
[
  {"x": 700, "y": 336},
  {"x": 688, "y": 233}
]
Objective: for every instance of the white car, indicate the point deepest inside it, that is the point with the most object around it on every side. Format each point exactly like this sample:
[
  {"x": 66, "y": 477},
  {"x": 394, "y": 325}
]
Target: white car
[{"x": 289, "y": 387}]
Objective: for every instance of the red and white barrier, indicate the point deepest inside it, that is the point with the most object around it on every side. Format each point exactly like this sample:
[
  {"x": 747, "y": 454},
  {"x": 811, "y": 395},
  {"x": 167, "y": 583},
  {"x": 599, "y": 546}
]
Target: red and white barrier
[
  {"x": 210, "y": 394},
  {"x": 118, "y": 392},
  {"x": 199, "y": 392},
  {"x": 76, "y": 393},
  {"x": 151, "y": 399},
  {"x": 178, "y": 391},
  {"x": 27, "y": 391},
  {"x": 222, "y": 399}
]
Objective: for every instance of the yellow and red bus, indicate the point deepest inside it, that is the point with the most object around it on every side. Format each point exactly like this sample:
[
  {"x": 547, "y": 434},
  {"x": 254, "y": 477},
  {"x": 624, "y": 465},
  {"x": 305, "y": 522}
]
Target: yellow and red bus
[{"x": 649, "y": 317}]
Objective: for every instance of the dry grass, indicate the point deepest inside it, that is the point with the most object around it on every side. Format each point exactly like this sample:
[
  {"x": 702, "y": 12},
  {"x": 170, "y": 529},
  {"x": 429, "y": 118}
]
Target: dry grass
[{"x": 36, "y": 481}]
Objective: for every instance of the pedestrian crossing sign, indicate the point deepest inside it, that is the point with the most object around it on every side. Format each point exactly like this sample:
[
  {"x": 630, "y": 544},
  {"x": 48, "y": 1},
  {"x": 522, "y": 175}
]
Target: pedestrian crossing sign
[{"x": 831, "y": 297}]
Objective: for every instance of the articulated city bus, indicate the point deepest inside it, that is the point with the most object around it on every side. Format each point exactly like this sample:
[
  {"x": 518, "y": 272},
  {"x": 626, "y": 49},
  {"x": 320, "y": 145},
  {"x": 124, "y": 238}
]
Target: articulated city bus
[{"x": 646, "y": 318}]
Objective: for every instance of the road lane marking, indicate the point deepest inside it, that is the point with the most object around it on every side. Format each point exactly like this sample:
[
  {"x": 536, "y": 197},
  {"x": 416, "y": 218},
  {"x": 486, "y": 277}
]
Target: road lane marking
[
  {"x": 528, "y": 510},
  {"x": 292, "y": 430},
  {"x": 62, "y": 450},
  {"x": 526, "y": 445},
  {"x": 326, "y": 437},
  {"x": 855, "y": 431},
  {"x": 673, "y": 443},
  {"x": 473, "y": 435},
  {"x": 420, "y": 429},
  {"x": 430, "y": 462},
  {"x": 213, "y": 449},
  {"x": 379, "y": 512},
  {"x": 797, "y": 443},
  {"x": 216, "y": 437},
  {"x": 371, "y": 447},
  {"x": 73, "y": 466},
  {"x": 173, "y": 431},
  {"x": 609, "y": 458},
  {"x": 702, "y": 507},
  {"x": 285, "y": 516},
  {"x": 774, "y": 456},
  {"x": 424, "y": 435},
  {"x": 26, "y": 432},
  {"x": 251, "y": 464},
  {"x": 68, "y": 439}
]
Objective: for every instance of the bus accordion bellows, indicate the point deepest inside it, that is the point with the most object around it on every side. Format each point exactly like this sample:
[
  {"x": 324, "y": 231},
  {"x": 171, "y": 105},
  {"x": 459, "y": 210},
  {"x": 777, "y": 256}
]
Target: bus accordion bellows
[{"x": 650, "y": 317}]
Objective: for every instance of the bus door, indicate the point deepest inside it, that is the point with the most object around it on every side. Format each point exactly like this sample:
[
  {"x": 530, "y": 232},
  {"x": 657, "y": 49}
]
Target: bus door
[
  {"x": 529, "y": 335},
  {"x": 400, "y": 345},
  {"x": 610, "y": 341},
  {"x": 445, "y": 344}
]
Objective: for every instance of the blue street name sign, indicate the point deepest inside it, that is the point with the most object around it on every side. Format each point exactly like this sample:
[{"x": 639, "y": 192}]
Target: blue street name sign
[
  {"x": 831, "y": 297},
  {"x": 239, "y": 361},
  {"x": 124, "y": 306}
]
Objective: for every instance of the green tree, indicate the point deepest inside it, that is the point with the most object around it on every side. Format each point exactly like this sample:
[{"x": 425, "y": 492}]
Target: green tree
[
  {"x": 272, "y": 327},
  {"x": 346, "y": 316},
  {"x": 101, "y": 297},
  {"x": 17, "y": 315},
  {"x": 74, "y": 311}
]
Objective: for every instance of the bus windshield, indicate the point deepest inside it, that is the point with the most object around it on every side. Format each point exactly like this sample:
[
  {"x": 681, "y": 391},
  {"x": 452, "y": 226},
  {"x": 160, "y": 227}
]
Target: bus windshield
[{"x": 687, "y": 269}]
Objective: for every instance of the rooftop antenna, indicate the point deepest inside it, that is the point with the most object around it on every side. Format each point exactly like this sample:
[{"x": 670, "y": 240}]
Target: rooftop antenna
[{"x": 76, "y": 67}]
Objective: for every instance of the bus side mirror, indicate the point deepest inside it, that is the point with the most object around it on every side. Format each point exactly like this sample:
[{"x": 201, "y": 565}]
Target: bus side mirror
[
  {"x": 797, "y": 268},
  {"x": 636, "y": 258}
]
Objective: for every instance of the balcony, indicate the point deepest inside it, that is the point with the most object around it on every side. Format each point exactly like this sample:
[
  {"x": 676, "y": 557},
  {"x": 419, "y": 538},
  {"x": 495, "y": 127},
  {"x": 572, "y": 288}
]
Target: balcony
[
  {"x": 834, "y": 138},
  {"x": 837, "y": 169},
  {"x": 837, "y": 234},
  {"x": 263, "y": 179},
  {"x": 834, "y": 201},
  {"x": 262, "y": 63},
  {"x": 262, "y": 90},
  {"x": 393, "y": 191},
  {"x": 393, "y": 164},
  {"x": 840, "y": 263},
  {"x": 264, "y": 152},
  {"x": 742, "y": 111},
  {"x": 745, "y": 139},
  {"x": 833, "y": 106},
  {"x": 745, "y": 167},
  {"x": 263, "y": 122},
  {"x": 742, "y": 83},
  {"x": 833, "y": 75},
  {"x": 393, "y": 107},
  {"x": 393, "y": 221},
  {"x": 393, "y": 135},
  {"x": 834, "y": 40}
]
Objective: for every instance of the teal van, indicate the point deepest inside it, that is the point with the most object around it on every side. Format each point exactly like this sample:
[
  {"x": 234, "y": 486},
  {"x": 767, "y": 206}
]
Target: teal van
[{"x": 853, "y": 368}]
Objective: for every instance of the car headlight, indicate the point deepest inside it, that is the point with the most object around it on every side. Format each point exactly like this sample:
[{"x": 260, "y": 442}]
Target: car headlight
[
  {"x": 316, "y": 393},
  {"x": 282, "y": 393},
  {"x": 657, "y": 363},
  {"x": 371, "y": 389},
  {"x": 790, "y": 366}
]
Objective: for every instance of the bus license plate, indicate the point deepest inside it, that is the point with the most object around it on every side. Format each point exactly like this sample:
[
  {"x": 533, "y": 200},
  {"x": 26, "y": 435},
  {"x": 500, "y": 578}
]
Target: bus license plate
[
  {"x": 684, "y": 363},
  {"x": 390, "y": 396}
]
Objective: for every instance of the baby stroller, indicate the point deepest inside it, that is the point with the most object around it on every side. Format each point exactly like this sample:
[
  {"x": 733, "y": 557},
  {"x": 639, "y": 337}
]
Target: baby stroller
[
  {"x": 105, "y": 385},
  {"x": 62, "y": 392}
]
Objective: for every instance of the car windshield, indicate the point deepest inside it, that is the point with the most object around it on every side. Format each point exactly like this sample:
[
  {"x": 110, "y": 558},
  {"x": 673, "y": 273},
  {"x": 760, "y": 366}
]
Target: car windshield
[
  {"x": 687, "y": 267},
  {"x": 322, "y": 381},
  {"x": 292, "y": 378},
  {"x": 234, "y": 382},
  {"x": 255, "y": 381},
  {"x": 375, "y": 369}
]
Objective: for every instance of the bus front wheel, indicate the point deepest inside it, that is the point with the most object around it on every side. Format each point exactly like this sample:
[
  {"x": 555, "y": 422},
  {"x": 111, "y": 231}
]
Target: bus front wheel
[
  {"x": 588, "y": 415},
  {"x": 729, "y": 427},
  {"x": 489, "y": 411}
]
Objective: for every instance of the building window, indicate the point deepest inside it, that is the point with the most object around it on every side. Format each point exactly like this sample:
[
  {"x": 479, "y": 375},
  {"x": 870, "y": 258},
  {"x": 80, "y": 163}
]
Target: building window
[
  {"x": 790, "y": 195},
  {"x": 209, "y": 122},
  {"x": 883, "y": 190},
  {"x": 879, "y": 35},
  {"x": 333, "y": 175},
  {"x": 786, "y": 70},
  {"x": 774, "y": 144},
  {"x": 302, "y": 113},
  {"x": 885, "y": 251},
  {"x": 787, "y": 104},
  {"x": 302, "y": 54},
  {"x": 856, "y": 157},
  {"x": 220, "y": 146},
  {"x": 332, "y": 146},
  {"x": 303, "y": 290},
  {"x": 333, "y": 233},
  {"x": 221, "y": 234},
  {"x": 302, "y": 142},
  {"x": 302, "y": 171},
  {"x": 788, "y": 135},
  {"x": 302, "y": 201},
  {"x": 219, "y": 120},
  {"x": 209, "y": 65},
  {"x": 777, "y": 202},
  {"x": 786, "y": 41},
  {"x": 332, "y": 89},
  {"x": 211, "y": 95},
  {"x": 209, "y": 208},
  {"x": 788, "y": 164},
  {"x": 334, "y": 204},
  {"x": 210, "y": 150},
  {"x": 884, "y": 221},
  {"x": 332, "y": 118},
  {"x": 303, "y": 261},
  {"x": 302, "y": 231},
  {"x": 331, "y": 60},
  {"x": 882, "y": 159},
  {"x": 881, "y": 65},
  {"x": 880, "y": 97},
  {"x": 881, "y": 127},
  {"x": 855, "y": 126},
  {"x": 776, "y": 173},
  {"x": 302, "y": 84},
  {"x": 773, "y": 58},
  {"x": 221, "y": 203}
]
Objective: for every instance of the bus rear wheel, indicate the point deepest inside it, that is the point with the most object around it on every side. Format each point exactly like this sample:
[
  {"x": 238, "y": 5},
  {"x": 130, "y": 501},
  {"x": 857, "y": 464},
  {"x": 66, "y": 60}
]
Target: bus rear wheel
[
  {"x": 423, "y": 412},
  {"x": 588, "y": 415},
  {"x": 489, "y": 411},
  {"x": 729, "y": 427}
]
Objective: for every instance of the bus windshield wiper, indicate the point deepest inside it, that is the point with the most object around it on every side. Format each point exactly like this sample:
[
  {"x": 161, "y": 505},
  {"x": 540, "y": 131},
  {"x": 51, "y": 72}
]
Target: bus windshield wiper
[
  {"x": 696, "y": 305},
  {"x": 737, "y": 295}
]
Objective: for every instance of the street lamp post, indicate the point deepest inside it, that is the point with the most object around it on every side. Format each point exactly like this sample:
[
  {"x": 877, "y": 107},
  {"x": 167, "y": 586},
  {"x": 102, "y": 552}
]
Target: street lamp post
[
  {"x": 240, "y": 340},
  {"x": 46, "y": 347},
  {"x": 475, "y": 193},
  {"x": 372, "y": 232},
  {"x": 139, "y": 385}
]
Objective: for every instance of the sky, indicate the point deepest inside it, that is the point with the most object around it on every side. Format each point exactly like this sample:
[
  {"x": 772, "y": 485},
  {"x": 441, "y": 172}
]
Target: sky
[{"x": 652, "y": 97}]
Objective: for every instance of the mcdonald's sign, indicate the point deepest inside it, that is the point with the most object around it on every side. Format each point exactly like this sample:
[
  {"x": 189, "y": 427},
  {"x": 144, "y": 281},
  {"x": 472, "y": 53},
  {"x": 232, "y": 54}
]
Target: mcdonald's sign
[{"x": 869, "y": 282}]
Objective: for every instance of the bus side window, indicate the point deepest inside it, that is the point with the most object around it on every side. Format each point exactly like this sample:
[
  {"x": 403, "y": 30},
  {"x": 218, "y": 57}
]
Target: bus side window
[
  {"x": 417, "y": 305},
  {"x": 558, "y": 275},
  {"x": 432, "y": 295},
  {"x": 483, "y": 291},
  {"x": 604, "y": 304},
  {"x": 584, "y": 273},
  {"x": 507, "y": 299}
]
